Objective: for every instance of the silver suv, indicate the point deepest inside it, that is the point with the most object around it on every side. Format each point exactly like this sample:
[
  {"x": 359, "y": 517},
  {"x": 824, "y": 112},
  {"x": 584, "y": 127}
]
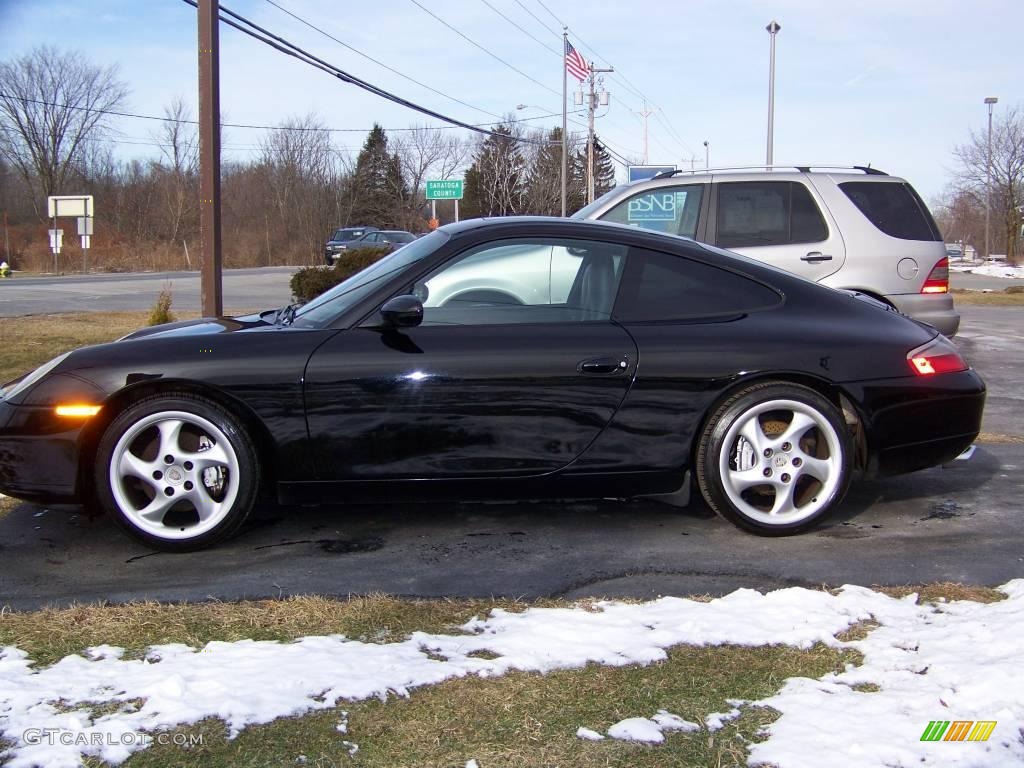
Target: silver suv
[{"x": 855, "y": 228}]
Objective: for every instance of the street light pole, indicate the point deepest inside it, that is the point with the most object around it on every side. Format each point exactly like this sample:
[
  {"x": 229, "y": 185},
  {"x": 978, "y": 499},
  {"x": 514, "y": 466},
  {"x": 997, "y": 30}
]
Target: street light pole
[
  {"x": 991, "y": 101},
  {"x": 773, "y": 29},
  {"x": 707, "y": 156}
]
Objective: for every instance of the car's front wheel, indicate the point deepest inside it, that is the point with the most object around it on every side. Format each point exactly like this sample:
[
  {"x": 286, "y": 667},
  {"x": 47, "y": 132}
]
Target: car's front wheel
[
  {"x": 774, "y": 458},
  {"x": 178, "y": 473}
]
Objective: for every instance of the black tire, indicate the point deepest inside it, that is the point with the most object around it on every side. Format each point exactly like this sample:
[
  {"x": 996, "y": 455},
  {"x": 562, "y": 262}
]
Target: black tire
[
  {"x": 790, "y": 467},
  {"x": 168, "y": 460}
]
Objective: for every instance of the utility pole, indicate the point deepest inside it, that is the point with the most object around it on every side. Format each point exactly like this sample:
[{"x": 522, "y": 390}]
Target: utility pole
[
  {"x": 707, "y": 156},
  {"x": 210, "y": 258},
  {"x": 990, "y": 101},
  {"x": 644, "y": 114},
  {"x": 565, "y": 108},
  {"x": 591, "y": 107}
]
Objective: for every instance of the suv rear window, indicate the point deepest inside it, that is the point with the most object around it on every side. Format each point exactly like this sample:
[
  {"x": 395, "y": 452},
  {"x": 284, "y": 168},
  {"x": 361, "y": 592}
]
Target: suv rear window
[{"x": 893, "y": 207}]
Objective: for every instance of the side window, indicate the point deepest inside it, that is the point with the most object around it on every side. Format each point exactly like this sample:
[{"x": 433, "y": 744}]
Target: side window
[
  {"x": 767, "y": 213},
  {"x": 673, "y": 210},
  {"x": 524, "y": 281},
  {"x": 659, "y": 286}
]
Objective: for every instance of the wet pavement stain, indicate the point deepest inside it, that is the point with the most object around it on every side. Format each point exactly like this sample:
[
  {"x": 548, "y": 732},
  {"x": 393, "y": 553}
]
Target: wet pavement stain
[
  {"x": 346, "y": 546},
  {"x": 943, "y": 510}
]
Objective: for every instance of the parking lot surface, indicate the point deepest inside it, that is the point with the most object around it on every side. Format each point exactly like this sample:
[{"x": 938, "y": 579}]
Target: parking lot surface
[{"x": 960, "y": 523}]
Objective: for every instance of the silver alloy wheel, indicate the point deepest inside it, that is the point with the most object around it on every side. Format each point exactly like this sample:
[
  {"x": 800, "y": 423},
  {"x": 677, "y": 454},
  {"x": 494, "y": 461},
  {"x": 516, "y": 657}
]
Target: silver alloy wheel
[
  {"x": 174, "y": 462},
  {"x": 781, "y": 462}
]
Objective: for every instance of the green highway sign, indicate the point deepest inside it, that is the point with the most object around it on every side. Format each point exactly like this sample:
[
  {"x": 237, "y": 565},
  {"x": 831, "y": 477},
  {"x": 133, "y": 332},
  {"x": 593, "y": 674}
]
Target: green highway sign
[{"x": 444, "y": 190}]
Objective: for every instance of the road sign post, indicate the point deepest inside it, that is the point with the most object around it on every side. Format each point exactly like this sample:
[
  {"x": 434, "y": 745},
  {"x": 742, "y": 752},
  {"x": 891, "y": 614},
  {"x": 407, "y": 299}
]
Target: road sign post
[
  {"x": 77, "y": 206},
  {"x": 445, "y": 189}
]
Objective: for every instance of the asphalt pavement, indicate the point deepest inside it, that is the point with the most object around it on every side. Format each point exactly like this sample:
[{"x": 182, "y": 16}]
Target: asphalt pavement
[
  {"x": 244, "y": 289},
  {"x": 960, "y": 523}
]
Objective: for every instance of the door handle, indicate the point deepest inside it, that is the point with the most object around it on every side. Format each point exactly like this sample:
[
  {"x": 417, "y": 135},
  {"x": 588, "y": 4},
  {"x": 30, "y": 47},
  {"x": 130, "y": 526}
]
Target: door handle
[
  {"x": 815, "y": 256},
  {"x": 603, "y": 366}
]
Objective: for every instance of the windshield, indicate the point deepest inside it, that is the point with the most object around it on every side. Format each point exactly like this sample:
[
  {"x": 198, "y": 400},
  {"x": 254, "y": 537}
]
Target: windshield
[
  {"x": 344, "y": 235},
  {"x": 586, "y": 210},
  {"x": 327, "y": 306}
]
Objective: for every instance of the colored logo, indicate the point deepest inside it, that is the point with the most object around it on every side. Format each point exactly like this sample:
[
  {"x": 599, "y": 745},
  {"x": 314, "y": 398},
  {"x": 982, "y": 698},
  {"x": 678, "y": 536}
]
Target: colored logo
[{"x": 958, "y": 730}]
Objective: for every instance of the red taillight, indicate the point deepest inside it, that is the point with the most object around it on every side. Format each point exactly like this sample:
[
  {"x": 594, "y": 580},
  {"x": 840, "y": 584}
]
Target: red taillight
[
  {"x": 938, "y": 278},
  {"x": 937, "y": 356}
]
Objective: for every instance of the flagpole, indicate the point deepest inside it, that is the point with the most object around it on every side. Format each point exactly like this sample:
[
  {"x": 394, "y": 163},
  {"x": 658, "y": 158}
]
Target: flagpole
[{"x": 565, "y": 49}]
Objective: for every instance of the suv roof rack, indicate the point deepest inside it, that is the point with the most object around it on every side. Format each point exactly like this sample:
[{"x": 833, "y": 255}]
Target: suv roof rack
[{"x": 802, "y": 168}]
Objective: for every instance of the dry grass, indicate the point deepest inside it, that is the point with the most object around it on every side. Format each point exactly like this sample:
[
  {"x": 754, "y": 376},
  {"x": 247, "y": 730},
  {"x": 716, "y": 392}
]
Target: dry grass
[
  {"x": 525, "y": 719},
  {"x": 996, "y": 438},
  {"x": 51, "y": 634},
  {"x": 993, "y": 299},
  {"x": 6, "y": 505},
  {"x": 944, "y": 591},
  {"x": 519, "y": 719}
]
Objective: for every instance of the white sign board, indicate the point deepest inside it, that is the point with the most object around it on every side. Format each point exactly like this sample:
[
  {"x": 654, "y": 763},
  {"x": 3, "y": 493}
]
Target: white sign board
[
  {"x": 69, "y": 205},
  {"x": 56, "y": 239},
  {"x": 86, "y": 241},
  {"x": 85, "y": 225}
]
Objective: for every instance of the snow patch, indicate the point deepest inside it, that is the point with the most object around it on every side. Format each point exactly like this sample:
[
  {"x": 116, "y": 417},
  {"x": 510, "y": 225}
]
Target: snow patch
[
  {"x": 589, "y": 735},
  {"x": 958, "y": 660}
]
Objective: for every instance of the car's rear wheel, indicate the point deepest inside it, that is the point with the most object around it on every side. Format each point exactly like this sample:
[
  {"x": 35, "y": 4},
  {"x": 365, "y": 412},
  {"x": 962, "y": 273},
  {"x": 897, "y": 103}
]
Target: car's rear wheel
[
  {"x": 178, "y": 473},
  {"x": 774, "y": 458}
]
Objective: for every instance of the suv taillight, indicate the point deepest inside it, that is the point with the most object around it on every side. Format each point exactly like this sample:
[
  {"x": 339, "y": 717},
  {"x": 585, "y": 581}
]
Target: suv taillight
[
  {"x": 938, "y": 278},
  {"x": 937, "y": 356}
]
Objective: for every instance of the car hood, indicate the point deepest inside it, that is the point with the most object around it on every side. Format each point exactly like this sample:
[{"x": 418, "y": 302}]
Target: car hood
[{"x": 201, "y": 327}]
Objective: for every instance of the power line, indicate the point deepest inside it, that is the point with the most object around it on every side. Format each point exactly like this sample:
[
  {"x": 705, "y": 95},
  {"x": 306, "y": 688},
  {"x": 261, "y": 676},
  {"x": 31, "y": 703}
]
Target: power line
[
  {"x": 537, "y": 19},
  {"x": 528, "y": 34},
  {"x": 182, "y": 121},
  {"x": 542, "y": 5},
  {"x": 284, "y": 46},
  {"x": 379, "y": 63},
  {"x": 482, "y": 48}
]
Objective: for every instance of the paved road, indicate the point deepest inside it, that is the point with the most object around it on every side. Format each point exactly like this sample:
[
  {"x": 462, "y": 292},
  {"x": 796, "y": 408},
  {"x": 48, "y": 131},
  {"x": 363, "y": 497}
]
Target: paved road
[
  {"x": 961, "y": 523},
  {"x": 244, "y": 289}
]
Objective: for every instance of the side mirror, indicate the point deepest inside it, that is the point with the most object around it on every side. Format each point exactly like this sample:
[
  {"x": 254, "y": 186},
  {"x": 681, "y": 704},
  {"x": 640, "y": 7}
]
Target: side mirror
[{"x": 402, "y": 312}]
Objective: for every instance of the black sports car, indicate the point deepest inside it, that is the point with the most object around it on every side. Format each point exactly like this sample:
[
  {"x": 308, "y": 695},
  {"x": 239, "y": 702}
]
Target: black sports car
[{"x": 513, "y": 357}]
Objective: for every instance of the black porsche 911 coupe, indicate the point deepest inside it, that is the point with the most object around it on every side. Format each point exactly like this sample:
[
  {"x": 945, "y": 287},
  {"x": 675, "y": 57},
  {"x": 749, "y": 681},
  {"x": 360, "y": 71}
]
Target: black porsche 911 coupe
[{"x": 518, "y": 357}]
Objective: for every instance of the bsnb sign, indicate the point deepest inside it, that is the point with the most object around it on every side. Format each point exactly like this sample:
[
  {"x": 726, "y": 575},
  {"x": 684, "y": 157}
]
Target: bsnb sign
[{"x": 657, "y": 206}]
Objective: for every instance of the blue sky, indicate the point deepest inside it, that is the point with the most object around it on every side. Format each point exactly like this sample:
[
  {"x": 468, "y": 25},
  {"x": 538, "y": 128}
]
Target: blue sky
[{"x": 894, "y": 84}]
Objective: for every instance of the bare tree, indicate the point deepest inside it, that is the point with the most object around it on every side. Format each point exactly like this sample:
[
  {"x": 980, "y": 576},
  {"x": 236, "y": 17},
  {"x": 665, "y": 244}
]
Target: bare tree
[
  {"x": 177, "y": 171},
  {"x": 52, "y": 105},
  {"x": 1007, "y": 174},
  {"x": 302, "y": 173}
]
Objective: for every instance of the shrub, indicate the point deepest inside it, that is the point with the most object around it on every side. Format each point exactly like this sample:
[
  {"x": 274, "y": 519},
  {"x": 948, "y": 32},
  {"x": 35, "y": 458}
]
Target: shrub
[
  {"x": 1015, "y": 289},
  {"x": 310, "y": 282},
  {"x": 161, "y": 311}
]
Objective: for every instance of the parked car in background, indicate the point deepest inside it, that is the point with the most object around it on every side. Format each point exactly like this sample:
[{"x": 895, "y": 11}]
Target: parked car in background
[
  {"x": 340, "y": 239},
  {"x": 631, "y": 363},
  {"x": 391, "y": 239},
  {"x": 855, "y": 228}
]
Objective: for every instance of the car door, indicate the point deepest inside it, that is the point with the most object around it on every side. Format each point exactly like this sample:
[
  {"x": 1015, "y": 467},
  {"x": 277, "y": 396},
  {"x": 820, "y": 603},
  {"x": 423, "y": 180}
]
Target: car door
[
  {"x": 778, "y": 222},
  {"x": 508, "y": 375}
]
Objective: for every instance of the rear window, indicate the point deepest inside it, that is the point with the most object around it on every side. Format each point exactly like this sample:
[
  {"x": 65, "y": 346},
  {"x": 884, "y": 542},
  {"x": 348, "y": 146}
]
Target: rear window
[{"x": 893, "y": 207}]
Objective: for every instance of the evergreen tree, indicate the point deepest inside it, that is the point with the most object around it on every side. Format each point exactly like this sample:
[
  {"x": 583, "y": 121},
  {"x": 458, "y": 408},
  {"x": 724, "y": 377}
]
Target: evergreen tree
[
  {"x": 604, "y": 169},
  {"x": 379, "y": 187},
  {"x": 544, "y": 178}
]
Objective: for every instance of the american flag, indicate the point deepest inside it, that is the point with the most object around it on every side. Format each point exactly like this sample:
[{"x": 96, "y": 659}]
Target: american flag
[{"x": 575, "y": 64}]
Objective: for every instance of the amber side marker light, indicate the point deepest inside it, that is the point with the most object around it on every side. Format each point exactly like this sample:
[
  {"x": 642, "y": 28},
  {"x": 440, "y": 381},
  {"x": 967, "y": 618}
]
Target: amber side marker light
[
  {"x": 78, "y": 411},
  {"x": 938, "y": 356}
]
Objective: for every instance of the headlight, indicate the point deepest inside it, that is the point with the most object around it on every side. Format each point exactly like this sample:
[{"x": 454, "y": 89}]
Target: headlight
[{"x": 31, "y": 379}]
